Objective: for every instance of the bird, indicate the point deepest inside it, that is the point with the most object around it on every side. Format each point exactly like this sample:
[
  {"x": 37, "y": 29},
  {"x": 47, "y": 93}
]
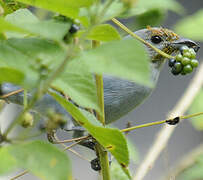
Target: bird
[{"x": 120, "y": 96}]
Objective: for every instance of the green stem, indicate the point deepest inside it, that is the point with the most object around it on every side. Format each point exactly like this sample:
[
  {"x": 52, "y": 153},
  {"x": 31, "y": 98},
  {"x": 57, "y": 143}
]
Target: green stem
[
  {"x": 102, "y": 153},
  {"x": 25, "y": 100},
  {"x": 100, "y": 94},
  {"x": 118, "y": 23},
  {"x": 104, "y": 161},
  {"x": 191, "y": 115},
  {"x": 159, "y": 122},
  {"x": 143, "y": 125}
]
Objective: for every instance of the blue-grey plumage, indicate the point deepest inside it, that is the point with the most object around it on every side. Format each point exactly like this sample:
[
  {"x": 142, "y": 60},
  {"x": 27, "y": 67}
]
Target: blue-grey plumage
[{"x": 120, "y": 96}]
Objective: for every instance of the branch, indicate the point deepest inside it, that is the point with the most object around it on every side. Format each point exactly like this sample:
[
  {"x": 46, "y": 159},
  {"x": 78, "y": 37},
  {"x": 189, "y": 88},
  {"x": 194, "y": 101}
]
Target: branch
[{"x": 166, "y": 132}]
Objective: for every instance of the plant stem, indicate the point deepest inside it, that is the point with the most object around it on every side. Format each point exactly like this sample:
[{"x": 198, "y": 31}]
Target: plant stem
[
  {"x": 104, "y": 161},
  {"x": 25, "y": 100},
  {"x": 122, "y": 26},
  {"x": 160, "y": 122},
  {"x": 19, "y": 175},
  {"x": 102, "y": 153},
  {"x": 143, "y": 125},
  {"x": 100, "y": 93}
]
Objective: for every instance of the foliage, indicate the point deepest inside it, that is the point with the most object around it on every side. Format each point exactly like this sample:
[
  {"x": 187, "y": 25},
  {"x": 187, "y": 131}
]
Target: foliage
[
  {"x": 49, "y": 56},
  {"x": 191, "y": 26}
]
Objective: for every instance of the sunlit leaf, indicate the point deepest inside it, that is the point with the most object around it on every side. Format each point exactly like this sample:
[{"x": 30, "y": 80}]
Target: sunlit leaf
[
  {"x": 126, "y": 59},
  {"x": 103, "y": 32},
  {"x": 145, "y": 5},
  {"x": 42, "y": 159},
  {"x": 112, "y": 139},
  {"x": 69, "y": 8},
  {"x": 50, "y": 29}
]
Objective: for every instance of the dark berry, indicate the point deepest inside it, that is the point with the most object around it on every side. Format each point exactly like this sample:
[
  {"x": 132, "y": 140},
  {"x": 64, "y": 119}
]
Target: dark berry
[
  {"x": 178, "y": 66},
  {"x": 179, "y": 57},
  {"x": 185, "y": 61},
  {"x": 187, "y": 69},
  {"x": 171, "y": 62},
  {"x": 194, "y": 63},
  {"x": 174, "y": 71},
  {"x": 73, "y": 29},
  {"x": 95, "y": 164}
]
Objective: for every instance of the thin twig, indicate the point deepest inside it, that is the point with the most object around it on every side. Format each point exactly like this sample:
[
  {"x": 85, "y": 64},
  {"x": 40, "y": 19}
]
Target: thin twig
[
  {"x": 73, "y": 151},
  {"x": 166, "y": 132},
  {"x": 122, "y": 26},
  {"x": 187, "y": 161},
  {"x": 19, "y": 175},
  {"x": 71, "y": 140},
  {"x": 171, "y": 121},
  {"x": 72, "y": 145},
  {"x": 11, "y": 93}
]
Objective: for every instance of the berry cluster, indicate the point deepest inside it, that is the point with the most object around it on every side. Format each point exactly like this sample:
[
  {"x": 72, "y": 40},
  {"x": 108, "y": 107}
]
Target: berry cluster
[{"x": 184, "y": 62}]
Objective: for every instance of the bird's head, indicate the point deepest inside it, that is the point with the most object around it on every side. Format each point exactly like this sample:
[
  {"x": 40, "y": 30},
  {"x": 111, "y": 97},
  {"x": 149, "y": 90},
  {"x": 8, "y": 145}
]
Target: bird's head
[{"x": 165, "y": 40}]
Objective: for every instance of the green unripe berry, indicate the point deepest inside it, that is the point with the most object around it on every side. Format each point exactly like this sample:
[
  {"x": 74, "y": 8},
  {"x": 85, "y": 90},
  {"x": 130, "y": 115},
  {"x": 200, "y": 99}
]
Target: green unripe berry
[
  {"x": 192, "y": 53},
  {"x": 187, "y": 69},
  {"x": 194, "y": 63},
  {"x": 179, "y": 57},
  {"x": 184, "y": 49},
  {"x": 27, "y": 120},
  {"x": 187, "y": 54},
  {"x": 185, "y": 61}
]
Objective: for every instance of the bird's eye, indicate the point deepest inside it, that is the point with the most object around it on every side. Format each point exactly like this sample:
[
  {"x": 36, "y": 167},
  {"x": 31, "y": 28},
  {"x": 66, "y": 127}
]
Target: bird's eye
[{"x": 156, "y": 39}]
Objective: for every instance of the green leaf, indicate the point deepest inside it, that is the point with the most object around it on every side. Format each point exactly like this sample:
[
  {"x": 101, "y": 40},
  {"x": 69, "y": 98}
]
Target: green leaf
[
  {"x": 68, "y": 8},
  {"x": 42, "y": 159},
  {"x": 196, "y": 107},
  {"x": 112, "y": 139},
  {"x": 6, "y": 26},
  {"x": 8, "y": 162},
  {"x": 117, "y": 172},
  {"x": 133, "y": 153},
  {"x": 153, "y": 17},
  {"x": 114, "y": 10},
  {"x": 22, "y": 55},
  {"x": 191, "y": 26},
  {"x": 126, "y": 59},
  {"x": 79, "y": 84},
  {"x": 146, "y": 5},
  {"x": 103, "y": 32},
  {"x": 11, "y": 75},
  {"x": 50, "y": 29}
]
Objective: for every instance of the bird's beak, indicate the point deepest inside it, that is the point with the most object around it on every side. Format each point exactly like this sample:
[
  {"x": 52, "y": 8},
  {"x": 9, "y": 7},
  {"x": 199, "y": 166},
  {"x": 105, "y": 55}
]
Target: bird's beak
[{"x": 187, "y": 42}]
